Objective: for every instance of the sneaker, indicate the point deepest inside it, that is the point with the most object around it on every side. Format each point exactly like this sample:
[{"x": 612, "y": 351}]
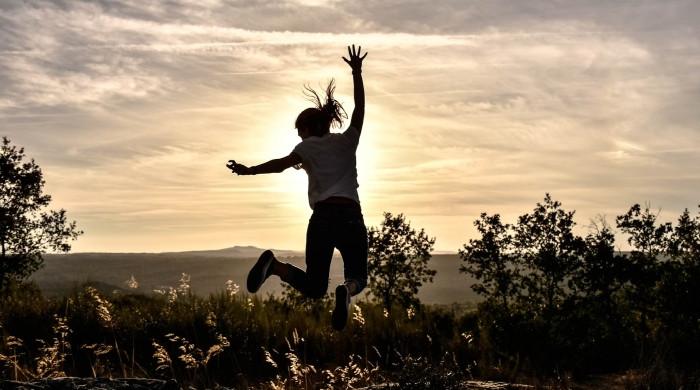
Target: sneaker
[
  {"x": 260, "y": 271},
  {"x": 342, "y": 303}
]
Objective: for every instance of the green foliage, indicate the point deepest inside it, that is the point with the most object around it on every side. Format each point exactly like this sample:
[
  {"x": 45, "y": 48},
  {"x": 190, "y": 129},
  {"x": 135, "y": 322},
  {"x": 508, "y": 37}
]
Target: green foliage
[
  {"x": 398, "y": 262},
  {"x": 26, "y": 229}
]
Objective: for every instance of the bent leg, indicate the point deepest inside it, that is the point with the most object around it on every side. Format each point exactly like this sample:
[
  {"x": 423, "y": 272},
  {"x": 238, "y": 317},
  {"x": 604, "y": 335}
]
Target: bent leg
[{"x": 313, "y": 282}]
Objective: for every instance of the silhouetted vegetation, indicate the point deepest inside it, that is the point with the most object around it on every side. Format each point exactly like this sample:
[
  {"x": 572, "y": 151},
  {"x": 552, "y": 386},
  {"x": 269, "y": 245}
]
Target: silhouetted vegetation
[
  {"x": 557, "y": 307},
  {"x": 398, "y": 262},
  {"x": 228, "y": 338},
  {"x": 559, "y": 303},
  {"x": 26, "y": 229}
]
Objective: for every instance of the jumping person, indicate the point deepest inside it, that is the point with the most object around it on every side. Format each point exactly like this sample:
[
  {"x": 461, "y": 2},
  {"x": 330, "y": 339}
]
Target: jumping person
[{"x": 336, "y": 222}]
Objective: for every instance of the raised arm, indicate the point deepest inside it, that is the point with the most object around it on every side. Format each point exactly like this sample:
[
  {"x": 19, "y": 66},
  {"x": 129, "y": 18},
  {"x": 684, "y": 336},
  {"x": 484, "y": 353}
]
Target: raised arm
[
  {"x": 273, "y": 166},
  {"x": 355, "y": 62}
]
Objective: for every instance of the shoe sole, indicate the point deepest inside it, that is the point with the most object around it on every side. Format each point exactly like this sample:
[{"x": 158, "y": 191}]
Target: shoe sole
[
  {"x": 340, "y": 314},
  {"x": 258, "y": 273}
]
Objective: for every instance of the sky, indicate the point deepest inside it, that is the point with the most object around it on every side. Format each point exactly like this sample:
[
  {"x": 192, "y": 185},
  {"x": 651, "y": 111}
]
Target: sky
[{"x": 132, "y": 109}]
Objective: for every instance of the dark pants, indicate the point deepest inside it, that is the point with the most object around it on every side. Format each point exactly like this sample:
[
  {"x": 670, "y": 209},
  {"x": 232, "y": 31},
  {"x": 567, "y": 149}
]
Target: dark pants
[{"x": 332, "y": 226}]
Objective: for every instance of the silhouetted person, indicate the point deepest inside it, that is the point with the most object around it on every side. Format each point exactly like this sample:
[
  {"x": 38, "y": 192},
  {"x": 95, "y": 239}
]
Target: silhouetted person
[{"x": 329, "y": 161}]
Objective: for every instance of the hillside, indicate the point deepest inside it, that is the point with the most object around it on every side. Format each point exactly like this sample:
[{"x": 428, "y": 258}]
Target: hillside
[{"x": 209, "y": 270}]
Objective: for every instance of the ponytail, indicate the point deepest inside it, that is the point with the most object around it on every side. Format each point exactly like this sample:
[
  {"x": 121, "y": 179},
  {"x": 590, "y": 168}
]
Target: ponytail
[{"x": 321, "y": 118}]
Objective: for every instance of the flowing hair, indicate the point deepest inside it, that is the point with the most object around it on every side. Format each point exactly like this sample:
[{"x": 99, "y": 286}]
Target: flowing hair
[{"x": 323, "y": 116}]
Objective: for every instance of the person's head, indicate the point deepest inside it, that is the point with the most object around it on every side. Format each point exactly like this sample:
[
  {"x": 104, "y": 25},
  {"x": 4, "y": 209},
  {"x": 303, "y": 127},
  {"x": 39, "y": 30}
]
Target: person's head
[{"x": 317, "y": 121}]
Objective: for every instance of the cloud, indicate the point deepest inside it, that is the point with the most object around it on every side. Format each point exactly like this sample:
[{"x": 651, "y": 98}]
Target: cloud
[
  {"x": 78, "y": 55},
  {"x": 132, "y": 109}
]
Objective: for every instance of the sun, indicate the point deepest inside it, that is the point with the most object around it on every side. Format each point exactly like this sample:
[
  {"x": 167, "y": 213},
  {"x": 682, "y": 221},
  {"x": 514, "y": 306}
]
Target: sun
[{"x": 279, "y": 139}]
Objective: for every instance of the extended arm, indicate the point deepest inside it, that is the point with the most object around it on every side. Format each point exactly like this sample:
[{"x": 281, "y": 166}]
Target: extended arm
[
  {"x": 273, "y": 166},
  {"x": 355, "y": 62}
]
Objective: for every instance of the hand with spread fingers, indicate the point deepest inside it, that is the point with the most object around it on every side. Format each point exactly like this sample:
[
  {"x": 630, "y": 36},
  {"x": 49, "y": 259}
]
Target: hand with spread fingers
[{"x": 355, "y": 60}]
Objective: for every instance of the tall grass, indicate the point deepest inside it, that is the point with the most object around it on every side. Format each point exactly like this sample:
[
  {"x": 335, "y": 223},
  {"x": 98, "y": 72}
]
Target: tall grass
[
  {"x": 234, "y": 339},
  {"x": 227, "y": 338}
]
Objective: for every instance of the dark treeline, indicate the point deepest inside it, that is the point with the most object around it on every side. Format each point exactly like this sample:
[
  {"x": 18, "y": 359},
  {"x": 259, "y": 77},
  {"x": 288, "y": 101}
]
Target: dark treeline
[{"x": 558, "y": 302}]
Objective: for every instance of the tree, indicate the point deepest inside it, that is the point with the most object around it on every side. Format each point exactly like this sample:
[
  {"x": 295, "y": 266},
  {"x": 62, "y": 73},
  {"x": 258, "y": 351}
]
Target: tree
[
  {"x": 398, "y": 261},
  {"x": 596, "y": 321},
  {"x": 649, "y": 241},
  {"x": 678, "y": 289},
  {"x": 603, "y": 271},
  {"x": 684, "y": 243},
  {"x": 27, "y": 229},
  {"x": 545, "y": 243},
  {"x": 490, "y": 260}
]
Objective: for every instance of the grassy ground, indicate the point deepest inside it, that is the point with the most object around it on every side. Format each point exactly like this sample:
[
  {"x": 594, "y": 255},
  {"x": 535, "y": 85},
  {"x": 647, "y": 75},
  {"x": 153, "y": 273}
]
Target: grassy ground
[
  {"x": 227, "y": 338},
  {"x": 235, "y": 340}
]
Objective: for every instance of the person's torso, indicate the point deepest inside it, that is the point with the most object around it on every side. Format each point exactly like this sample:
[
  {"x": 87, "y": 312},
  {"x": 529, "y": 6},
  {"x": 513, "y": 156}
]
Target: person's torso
[{"x": 330, "y": 163}]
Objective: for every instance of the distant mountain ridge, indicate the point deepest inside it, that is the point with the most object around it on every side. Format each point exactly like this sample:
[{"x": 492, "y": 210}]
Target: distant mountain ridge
[{"x": 234, "y": 252}]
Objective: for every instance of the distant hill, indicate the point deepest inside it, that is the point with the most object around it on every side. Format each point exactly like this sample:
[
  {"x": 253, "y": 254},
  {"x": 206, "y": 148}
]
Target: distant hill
[
  {"x": 209, "y": 270},
  {"x": 234, "y": 252}
]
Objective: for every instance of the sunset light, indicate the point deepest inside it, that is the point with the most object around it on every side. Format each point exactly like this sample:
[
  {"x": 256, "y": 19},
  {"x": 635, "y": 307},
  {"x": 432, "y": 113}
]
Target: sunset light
[{"x": 133, "y": 113}]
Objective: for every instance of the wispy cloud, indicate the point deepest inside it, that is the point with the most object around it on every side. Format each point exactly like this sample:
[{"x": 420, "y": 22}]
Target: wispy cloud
[{"x": 132, "y": 109}]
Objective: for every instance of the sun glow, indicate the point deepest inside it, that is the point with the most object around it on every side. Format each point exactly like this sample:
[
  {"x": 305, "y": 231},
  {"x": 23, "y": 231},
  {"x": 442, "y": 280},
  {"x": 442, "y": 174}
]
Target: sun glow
[{"x": 278, "y": 140}]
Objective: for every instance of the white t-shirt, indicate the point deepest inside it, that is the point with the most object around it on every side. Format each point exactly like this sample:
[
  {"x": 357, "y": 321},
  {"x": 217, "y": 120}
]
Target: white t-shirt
[{"x": 331, "y": 165}]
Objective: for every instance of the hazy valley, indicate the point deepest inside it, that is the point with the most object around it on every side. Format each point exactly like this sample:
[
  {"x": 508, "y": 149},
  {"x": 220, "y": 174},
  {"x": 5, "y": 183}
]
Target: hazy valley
[{"x": 209, "y": 271}]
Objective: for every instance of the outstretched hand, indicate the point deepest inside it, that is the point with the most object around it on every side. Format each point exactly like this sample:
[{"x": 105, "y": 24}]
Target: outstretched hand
[
  {"x": 238, "y": 169},
  {"x": 355, "y": 60}
]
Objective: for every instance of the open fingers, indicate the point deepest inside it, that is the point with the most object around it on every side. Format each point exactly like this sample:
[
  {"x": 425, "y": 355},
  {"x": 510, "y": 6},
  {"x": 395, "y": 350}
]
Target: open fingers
[{"x": 354, "y": 54}]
